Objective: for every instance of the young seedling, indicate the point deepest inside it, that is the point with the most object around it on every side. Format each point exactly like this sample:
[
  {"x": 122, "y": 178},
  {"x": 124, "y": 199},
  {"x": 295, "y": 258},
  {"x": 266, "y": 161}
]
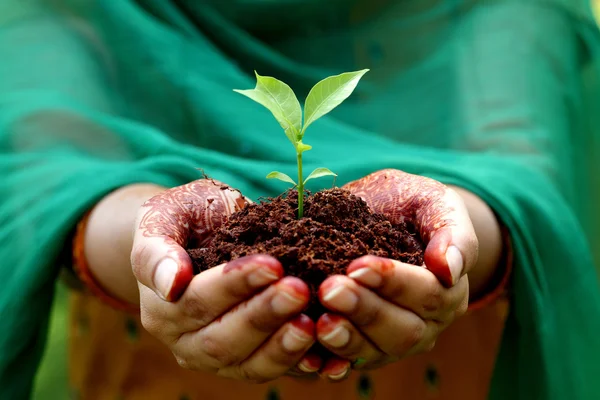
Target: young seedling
[{"x": 280, "y": 99}]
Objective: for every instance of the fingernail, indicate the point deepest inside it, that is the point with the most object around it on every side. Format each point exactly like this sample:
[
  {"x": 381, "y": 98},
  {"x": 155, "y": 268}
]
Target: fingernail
[
  {"x": 306, "y": 367},
  {"x": 366, "y": 276},
  {"x": 341, "y": 297},
  {"x": 339, "y": 376},
  {"x": 295, "y": 340},
  {"x": 310, "y": 363},
  {"x": 261, "y": 277},
  {"x": 455, "y": 262},
  {"x": 252, "y": 261},
  {"x": 285, "y": 303},
  {"x": 339, "y": 337},
  {"x": 337, "y": 369},
  {"x": 164, "y": 276}
]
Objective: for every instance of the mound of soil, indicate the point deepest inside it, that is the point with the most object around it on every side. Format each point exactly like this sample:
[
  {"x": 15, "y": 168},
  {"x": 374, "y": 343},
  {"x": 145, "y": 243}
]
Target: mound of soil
[{"x": 337, "y": 228}]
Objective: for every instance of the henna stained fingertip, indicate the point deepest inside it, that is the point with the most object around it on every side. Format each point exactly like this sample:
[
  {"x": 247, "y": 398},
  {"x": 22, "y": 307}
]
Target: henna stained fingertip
[
  {"x": 295, "y": 340},
  {"x": 311, "y": 363},
  {"x": 336, "y": 369},
  {"x": 367, "y": 276},
  {"x": 292, "y": 294},
  {"x": 305, "y": 324},
  {"x": 254, "y": 261}
]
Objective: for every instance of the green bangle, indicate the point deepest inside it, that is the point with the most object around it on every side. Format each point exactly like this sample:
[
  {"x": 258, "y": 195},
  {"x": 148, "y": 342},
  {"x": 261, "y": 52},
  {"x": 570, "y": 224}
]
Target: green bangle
[{"x": 359, "y": 361}]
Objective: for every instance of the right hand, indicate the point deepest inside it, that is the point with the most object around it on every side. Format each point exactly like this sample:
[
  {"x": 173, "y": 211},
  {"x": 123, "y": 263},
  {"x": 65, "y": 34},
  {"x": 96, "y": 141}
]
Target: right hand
[{"x": 238, "y": 320}]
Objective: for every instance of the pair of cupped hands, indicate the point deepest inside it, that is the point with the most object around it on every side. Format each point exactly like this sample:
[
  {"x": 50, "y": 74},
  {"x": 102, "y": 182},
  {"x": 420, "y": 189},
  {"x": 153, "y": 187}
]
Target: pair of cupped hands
[{"x": 244, "y": 319}]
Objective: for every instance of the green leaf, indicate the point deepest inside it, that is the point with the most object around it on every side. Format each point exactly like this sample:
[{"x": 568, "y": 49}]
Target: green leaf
[
  {"x": 328, "y": 94},
  {"x": 302, "y": 147},
  {"x": 280, "y": 99},
  {"x": 319, "y": 172},
  {"x": 281, "y": 176}
]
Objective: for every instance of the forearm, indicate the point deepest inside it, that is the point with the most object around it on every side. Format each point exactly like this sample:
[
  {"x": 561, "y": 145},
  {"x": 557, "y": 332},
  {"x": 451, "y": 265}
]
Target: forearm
[
  {"x": 109, "y": 239},
  {"x": 487, "y": 229}
]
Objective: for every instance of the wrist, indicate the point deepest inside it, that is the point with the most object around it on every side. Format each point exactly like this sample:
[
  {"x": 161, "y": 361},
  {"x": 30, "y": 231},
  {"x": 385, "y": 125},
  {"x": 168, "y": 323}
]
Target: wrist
[
  {"x": 491, "y": 261},
  {"x": 105, "y": 242}
]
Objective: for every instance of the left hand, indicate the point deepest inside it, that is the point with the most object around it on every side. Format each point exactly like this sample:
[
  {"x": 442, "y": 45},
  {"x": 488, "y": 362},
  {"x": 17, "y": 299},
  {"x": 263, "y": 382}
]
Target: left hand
[{"x": 384, "y": 310}]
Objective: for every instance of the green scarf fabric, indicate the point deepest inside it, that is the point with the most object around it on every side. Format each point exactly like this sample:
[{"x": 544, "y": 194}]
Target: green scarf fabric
[{"x": 487, "y": 95}]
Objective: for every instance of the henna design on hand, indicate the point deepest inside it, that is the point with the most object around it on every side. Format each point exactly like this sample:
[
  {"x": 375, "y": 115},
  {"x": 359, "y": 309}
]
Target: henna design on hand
[
  {"x": 400, "y": 195},
  {"x": 189, "y": 214}
]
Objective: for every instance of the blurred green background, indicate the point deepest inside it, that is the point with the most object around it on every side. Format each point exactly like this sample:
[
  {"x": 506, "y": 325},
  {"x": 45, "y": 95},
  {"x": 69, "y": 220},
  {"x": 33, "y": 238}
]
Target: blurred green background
[{"x": 51, "y": 382}]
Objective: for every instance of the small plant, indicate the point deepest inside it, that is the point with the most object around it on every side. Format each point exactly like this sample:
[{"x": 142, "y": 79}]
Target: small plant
[{"x": 280, "y": 99}]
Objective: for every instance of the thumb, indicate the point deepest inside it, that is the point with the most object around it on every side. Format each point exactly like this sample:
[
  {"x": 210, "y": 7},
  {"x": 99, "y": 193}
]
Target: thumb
[
  {"x": 161, "y": 265},
  {"x": 452, "y": 246},
  {"x": 168, "y": 222}
]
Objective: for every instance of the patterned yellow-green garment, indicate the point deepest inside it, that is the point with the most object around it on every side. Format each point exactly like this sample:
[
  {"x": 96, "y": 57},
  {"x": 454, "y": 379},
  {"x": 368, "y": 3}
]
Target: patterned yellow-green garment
[{"x": 113, "y": 357}]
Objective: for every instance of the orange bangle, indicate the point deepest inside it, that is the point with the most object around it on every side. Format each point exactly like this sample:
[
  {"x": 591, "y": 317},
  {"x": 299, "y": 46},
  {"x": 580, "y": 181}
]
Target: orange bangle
[
  {"x": 500, "y": 290},
  {"x": 82, "y": 270}
]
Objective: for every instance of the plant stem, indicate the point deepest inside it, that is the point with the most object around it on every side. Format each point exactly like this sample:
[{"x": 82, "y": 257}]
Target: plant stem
[{"x": 300, "y": 186}]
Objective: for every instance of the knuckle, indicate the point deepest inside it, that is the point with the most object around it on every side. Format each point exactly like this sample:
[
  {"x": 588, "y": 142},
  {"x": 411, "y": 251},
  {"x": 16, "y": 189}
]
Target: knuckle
[
  {"x": 398, "y": 289},
  {"x": 264, "y": 320},
  {"x": 220, "y": 354},
  {"x": 411, "y": 338},
  {"x": 191, "y": 361},
  {"x": 260, "y": 312},
  {"x": 366, "y": 316},
  {"x": 185, "y": 362},
  {"x": 196, "y": 307},
  {"x": 435, "y": 298}
]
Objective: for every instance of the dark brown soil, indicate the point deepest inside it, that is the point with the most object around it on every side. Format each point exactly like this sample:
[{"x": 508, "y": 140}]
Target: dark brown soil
[{"x": 337, "y": 228}]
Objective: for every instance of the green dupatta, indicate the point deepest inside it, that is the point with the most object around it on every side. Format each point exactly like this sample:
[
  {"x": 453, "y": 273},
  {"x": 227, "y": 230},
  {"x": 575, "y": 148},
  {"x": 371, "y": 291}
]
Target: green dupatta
[{"x": 485, "y": 95}]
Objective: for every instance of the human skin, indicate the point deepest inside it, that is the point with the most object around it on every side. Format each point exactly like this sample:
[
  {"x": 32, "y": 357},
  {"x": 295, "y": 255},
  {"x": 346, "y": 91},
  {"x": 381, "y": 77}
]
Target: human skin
[{"x": 418, "y": 302}]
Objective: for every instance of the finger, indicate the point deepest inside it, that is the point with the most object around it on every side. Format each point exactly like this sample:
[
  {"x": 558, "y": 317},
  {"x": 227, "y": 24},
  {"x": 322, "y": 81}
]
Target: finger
[
  {"x": 340, "y": 337},
  {"x": 394, "y": 330},
  {"x": 452, "y": 248},
  {"x": 278, "y": 355},
  {"x": 438, "y": 212},
  {"x": 219, "y": 289},
  {"x": 336, "y": 370},
  {"x": 239, "y": 332},
  {"x": 410, "y": 287},
  {"x": 161, "y": 265},
  {"x": 310, "y": 363},
  {"x": 168, "y": 222},
  {"x": 210, "y": 294}
]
